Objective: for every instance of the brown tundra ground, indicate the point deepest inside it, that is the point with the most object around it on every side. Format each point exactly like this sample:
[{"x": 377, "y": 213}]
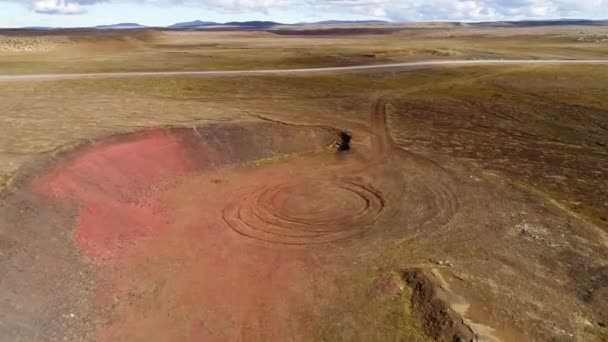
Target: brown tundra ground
[{"x": 472, "y": 203}]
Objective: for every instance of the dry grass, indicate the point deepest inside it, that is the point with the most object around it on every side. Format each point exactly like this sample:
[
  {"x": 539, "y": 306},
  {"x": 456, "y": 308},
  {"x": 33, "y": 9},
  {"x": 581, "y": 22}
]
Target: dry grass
[
  {"x": 544, "y": 125},
  {"x": 91, "y": 51}
]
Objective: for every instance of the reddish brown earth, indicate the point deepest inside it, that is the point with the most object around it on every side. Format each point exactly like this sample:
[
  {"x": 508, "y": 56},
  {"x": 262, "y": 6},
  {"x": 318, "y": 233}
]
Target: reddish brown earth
[{"x": 260, "y": 231}]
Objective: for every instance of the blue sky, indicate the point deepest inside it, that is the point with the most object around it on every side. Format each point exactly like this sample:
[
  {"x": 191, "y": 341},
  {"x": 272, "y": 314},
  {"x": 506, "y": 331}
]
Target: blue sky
[{"x": 78, "y": 13}]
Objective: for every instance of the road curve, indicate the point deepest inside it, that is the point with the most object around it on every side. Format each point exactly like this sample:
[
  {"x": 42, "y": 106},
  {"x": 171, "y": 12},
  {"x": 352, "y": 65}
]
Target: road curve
[{"x": 294, "y": 71}]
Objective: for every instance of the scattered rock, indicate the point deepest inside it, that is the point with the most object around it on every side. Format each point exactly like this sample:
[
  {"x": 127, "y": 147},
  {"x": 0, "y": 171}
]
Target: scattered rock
[
  {"x": 440, "y": 322},
  {"x": 30, "y": 44},
  {"x": 445, "y": 263},
  {"x": 532, "y": 232},
  {"x": 593, "y": 38}
]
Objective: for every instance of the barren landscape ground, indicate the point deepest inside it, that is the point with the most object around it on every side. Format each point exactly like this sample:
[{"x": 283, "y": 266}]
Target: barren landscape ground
[{"x": 472, "y": 203}]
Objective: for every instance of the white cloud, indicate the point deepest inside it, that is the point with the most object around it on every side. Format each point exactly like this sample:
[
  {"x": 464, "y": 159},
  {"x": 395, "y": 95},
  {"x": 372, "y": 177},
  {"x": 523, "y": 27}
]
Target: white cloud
[
  {"x": 226, "y": 5},
  {"x": 464, "y": 9},
  {"x": 57, "y": 7}
]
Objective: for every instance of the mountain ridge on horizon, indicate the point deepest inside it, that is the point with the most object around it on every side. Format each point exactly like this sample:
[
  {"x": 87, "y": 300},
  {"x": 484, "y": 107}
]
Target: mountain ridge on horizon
[{"x": 260, "y": 24}]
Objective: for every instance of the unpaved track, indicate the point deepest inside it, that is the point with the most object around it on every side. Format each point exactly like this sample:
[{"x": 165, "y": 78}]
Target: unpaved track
[
  {"x": 294, "y": 71},
  {"x": 383, "y": 142}
]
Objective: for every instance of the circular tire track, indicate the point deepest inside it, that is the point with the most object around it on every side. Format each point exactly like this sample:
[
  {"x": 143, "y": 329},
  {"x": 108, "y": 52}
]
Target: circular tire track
[
  {"x": 306, "y": 212},
  {"x": 322, "y": 208}
]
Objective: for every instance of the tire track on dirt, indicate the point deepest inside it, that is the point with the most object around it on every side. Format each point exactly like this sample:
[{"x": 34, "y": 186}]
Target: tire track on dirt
[
  {"x": 328, "y": 208},
  {"x": 383, "y": 143}
]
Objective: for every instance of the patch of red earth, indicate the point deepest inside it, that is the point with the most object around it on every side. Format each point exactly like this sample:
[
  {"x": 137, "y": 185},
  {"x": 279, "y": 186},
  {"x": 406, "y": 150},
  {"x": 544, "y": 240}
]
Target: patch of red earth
[
  {"x": 212, "y": 288},
  {"x": 201, "y": 281},
  {"x": 176, "y": 271},
  {"x": 106, "y": 181},
  {"x": 110, "y": 182}
]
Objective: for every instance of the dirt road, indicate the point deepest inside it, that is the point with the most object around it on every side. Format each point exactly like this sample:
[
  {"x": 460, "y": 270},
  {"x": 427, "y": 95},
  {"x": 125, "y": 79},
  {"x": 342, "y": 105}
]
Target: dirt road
[{"x": 295, "y": 71}]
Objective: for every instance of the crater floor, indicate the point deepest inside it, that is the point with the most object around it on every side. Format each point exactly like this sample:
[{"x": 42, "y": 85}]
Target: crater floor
[{"x": 265, "y": 231}]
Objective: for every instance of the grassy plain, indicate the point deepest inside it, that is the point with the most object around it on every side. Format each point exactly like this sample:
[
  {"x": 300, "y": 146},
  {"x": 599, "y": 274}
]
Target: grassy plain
[
  {"x": 149, "y": 49},
  {"x": 511, "y": 119}
]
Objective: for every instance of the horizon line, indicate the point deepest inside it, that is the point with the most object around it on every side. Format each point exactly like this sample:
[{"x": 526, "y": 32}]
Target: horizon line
[{"x": 377, "y": 21}]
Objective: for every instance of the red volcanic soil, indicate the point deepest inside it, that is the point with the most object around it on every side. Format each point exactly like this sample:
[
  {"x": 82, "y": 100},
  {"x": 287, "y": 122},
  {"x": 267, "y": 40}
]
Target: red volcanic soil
[
  {"x": 107, "y": 180},
  {"x": 173, "y": 200},
  {"x": 126, "y": 214},
  {"x": 260, "y": 231},
  {"x": 113, "y": 181},
  {"x": 209, "y": 233}
]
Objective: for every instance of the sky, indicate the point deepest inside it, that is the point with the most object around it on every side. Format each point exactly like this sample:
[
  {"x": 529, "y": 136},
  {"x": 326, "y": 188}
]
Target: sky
[{"x": 82, "y": 13}]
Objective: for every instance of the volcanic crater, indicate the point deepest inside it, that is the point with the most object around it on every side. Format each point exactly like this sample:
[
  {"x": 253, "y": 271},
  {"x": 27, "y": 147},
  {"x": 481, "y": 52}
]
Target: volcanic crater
[{"x": 247, "y": 231}]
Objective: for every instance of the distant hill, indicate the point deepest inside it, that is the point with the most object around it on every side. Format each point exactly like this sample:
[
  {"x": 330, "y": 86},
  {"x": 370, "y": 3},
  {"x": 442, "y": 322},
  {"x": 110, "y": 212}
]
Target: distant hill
[
  {"x": 194, "y": 24},
  {"x": 264, "y": 24},
  {"x": 252, "y": 24},
  {"x": 243, "y": 24},
  {"x": 346, "y": 22},
  {"x": 120, "y": 26},
  {"x": 532, "y": 23},
  {"x": 38, "y": 28}
]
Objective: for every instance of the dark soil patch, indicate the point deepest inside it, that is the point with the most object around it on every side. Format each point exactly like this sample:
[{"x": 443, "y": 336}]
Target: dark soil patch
[
  {"x": 439, "y": 321},
  {"x": 336, "y": 31}
]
